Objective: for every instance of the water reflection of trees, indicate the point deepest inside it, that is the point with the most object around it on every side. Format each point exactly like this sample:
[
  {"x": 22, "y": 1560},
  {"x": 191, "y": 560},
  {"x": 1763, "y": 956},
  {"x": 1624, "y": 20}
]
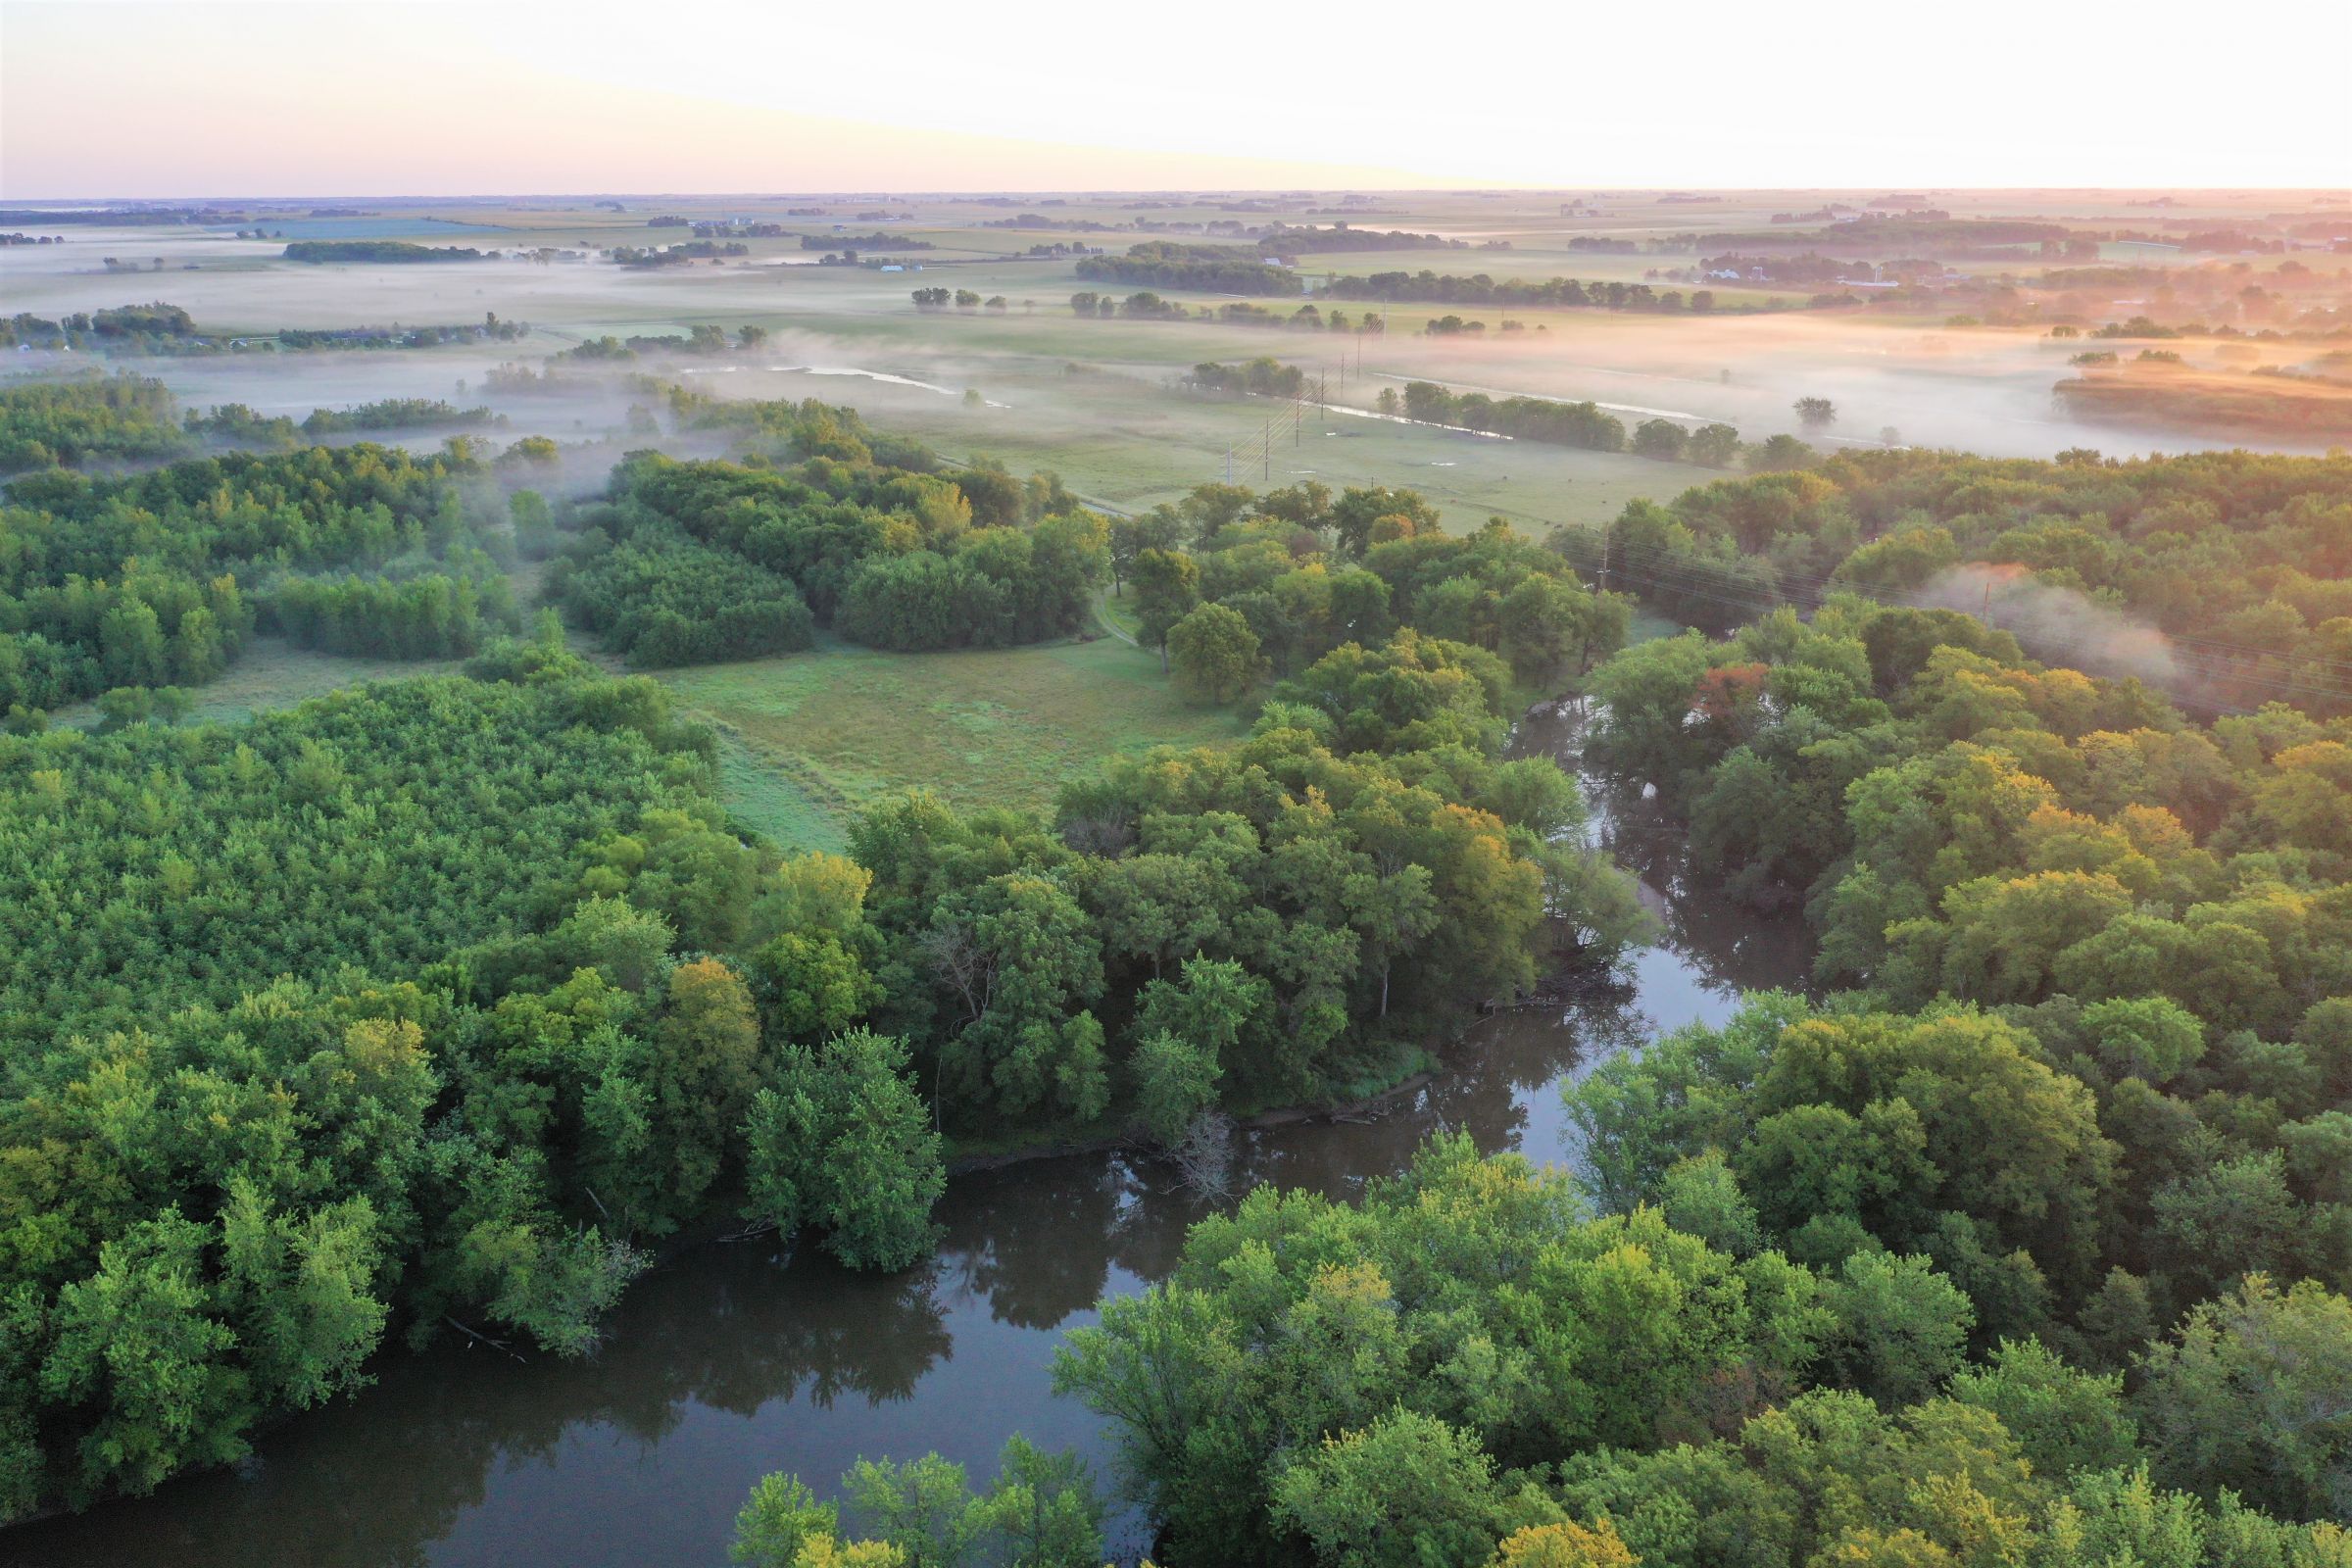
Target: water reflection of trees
[
  {"x": 813, "y": 1329},
  {"x": 373, "y": 1483},
  {"x": 1733, "y": 947},
  {"x": 1035, "y": 1241},
  {"x": 1730, "y": 947}
]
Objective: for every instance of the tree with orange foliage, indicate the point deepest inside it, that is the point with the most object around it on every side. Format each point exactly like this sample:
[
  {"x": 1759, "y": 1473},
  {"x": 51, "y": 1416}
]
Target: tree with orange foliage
[{"x": 1728, "y": 694}]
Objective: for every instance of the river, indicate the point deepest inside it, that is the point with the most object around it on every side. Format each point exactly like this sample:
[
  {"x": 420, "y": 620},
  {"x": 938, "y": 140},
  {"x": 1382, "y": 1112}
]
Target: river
[{"x": 734, "y": 1361}]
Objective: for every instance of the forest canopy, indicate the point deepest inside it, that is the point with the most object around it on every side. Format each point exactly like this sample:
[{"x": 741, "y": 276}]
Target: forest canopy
[
  {"x": 694, "y": 562},
  {"x": 159, "y": 579},
  {"x": 1469, "y": 1368}
]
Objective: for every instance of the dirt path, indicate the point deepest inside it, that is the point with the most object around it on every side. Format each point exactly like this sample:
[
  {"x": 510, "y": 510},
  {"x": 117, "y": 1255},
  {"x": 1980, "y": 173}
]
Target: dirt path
[{"x": 1104, "y": 620}]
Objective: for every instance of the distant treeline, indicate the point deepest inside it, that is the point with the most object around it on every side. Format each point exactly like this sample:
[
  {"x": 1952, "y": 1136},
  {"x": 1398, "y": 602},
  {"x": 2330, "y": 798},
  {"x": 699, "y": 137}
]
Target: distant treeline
[
  {"x": 1145, "y": 306},
  {"x": 1214, "y": 269},
  {"x": 1283, "y": 241},
  {"x": 1567, "y": 424},
  {"x": 490, "y": 329},
  {"x": 704, "y": 338},
  {"x": 238, "y": 424},
  {"x": 2213, "y": 241},
  {"x": 1066, "y": 225},
  {"x": 1810, "y": 266},
  {"x": 877, "y": 240},
  {"x": 379, "y": 250},
  {"x": 1926, "y": 230},
  {"x": 1261, "y": 377},
  {"x": 162, "y": 329},
  {"x": 1911, "y": 231},
  {"x": 49, "y": 217},
  {"x": 135, "y": 327},
  {"x": 1434, "y": 288},
  {"x": 692, "y": 250},
  {"x": 135, "y": 320}
]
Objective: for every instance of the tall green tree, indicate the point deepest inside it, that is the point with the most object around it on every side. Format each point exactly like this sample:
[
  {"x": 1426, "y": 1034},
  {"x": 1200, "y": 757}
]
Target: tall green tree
[{"x": 1213, "y": 655}]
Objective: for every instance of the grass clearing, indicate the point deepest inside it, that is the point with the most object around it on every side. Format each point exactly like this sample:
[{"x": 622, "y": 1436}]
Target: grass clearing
[
  {"x": 273, "y": 673},
  {"x": 810, "y": 739},
  {"x": 760, "y": 794}
]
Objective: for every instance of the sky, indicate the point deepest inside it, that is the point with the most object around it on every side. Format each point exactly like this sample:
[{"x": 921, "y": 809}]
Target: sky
[{"x": 381, "y": 98}]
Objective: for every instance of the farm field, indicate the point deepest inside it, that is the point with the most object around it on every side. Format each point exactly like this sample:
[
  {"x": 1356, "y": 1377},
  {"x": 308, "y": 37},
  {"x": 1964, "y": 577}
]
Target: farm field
[{"x": 1124, "y": 441}]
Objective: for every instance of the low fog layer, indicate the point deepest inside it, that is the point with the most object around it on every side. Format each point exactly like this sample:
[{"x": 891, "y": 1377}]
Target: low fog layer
[
  {"x": 2057, "y": 623},
  {"x": 1982, "y": 390}
]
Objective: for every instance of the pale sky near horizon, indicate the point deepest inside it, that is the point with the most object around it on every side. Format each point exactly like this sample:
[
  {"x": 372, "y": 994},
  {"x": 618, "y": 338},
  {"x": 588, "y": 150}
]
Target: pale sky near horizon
[{"x": 315, "y": 98}]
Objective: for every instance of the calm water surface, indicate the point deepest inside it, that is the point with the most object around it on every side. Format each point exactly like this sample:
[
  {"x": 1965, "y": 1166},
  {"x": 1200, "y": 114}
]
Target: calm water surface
[{"x": 735, "y": 1360}]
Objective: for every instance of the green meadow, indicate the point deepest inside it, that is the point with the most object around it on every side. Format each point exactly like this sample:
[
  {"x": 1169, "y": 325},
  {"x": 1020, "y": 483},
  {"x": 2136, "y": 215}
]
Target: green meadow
[{"x": 810, "y": 738}]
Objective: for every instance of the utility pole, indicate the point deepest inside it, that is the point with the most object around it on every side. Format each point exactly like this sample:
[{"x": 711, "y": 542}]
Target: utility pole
[
  {"x": 1229, "y": 463},
  {"x": 1268, "y": 476}
]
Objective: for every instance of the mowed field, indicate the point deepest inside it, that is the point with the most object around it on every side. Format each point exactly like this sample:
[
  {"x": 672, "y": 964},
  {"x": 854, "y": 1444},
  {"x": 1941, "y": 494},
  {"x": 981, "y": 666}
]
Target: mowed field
[{"x": 810, "y": 739}]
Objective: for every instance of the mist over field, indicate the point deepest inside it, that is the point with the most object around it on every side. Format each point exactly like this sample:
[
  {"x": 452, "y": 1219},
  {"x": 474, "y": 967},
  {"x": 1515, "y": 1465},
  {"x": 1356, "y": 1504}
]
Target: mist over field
[{"x": 1978, "y": 389}]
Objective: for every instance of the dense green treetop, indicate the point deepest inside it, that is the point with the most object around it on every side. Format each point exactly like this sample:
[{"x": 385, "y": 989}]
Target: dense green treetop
[
  {"x": 157, "y": 578},
  {"x": 692, "y": 562},
  {"x": 1466, "y": 1368},
  {"x": 47, "y": 423},
  {"x": 2244, "y": 558},
  {"x": 386, "y": 1010}
]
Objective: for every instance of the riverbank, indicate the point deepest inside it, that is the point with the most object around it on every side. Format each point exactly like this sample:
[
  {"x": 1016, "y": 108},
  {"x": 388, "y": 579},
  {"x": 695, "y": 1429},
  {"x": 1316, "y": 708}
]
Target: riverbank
[{"x": 727, "y": 1361}]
